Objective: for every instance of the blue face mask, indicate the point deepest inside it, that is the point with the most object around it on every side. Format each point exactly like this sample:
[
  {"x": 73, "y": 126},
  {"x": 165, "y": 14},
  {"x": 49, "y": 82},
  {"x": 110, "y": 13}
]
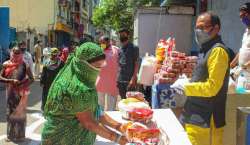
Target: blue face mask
[{"x": 246, "y": 21}]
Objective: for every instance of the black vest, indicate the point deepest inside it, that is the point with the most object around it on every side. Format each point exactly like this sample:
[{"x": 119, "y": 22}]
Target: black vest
[{"x": 198, "y": 110}]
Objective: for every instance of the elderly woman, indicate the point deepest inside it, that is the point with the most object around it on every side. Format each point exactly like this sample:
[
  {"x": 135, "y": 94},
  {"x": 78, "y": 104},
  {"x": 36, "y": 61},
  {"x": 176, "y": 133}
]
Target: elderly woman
[
  {"x": 18, "y": 77},
  {"x": 72, "y": 111}
]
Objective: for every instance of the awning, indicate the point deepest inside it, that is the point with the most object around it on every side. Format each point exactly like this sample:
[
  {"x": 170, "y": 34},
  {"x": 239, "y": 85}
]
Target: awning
[
  {"x": 62, "y": 27},
  {"x": 177, "y": 2}
]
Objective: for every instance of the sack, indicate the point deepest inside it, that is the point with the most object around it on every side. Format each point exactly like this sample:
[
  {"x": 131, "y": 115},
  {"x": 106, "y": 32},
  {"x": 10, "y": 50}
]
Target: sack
[
  {"x": 147, "y": 70},
  {"x": 244, "y": 56}
]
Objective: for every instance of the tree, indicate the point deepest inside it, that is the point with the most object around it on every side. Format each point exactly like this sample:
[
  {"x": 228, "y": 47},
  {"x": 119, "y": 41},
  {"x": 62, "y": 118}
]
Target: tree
[{"x": 117, "y": 14}]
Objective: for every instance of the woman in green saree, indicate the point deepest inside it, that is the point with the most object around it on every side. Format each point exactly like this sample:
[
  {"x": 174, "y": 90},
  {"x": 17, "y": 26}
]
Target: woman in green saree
[{"x": 72, "y": 111}]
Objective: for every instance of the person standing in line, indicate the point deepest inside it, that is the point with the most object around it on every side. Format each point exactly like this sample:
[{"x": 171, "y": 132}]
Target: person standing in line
[
  {"x": 26, "y": 55},
  {"x": 38, "y": 56},
  {"x": 18, "y": 77},
  {"x": 244, "y": 53},
  {"x": 49, "y": 72},
  {"x": 72, "y": 111},
  {"x": 128, "y": 63},
  {"x": 106, "y": 81},
  {"x": 46, "y": 55}
]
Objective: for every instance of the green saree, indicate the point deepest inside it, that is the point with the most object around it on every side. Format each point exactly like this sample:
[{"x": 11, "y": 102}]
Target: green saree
[{"x": 72, "y": 91}]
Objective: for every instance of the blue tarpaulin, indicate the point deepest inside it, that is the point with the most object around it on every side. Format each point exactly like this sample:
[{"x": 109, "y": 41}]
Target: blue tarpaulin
[{"x": 4, "y": 32}]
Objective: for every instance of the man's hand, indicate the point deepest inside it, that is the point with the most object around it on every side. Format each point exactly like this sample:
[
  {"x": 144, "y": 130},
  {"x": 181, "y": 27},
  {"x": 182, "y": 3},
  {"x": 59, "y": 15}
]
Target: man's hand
[
  {"x": 232, "y": 65},
  {"x": 180, "y": 83},
  {"x": 132, "y": 83}
]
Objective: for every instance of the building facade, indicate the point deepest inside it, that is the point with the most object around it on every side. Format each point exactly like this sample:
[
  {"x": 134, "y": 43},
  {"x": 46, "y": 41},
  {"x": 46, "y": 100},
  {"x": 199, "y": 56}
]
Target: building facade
[{"x": 55, "y": 22}]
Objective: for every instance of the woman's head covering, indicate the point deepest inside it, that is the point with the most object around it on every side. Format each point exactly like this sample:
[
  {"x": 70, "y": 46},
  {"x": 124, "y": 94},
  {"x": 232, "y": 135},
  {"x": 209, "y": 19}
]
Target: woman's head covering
[
  {"x": 77, "y": 64},
  {"x": 14, "y": 62},
  {"x": 54, "y": 51},
  {"x": 76, "y": 77}
]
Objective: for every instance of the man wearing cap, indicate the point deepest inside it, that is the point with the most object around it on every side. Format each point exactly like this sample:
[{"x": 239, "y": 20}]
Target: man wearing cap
[
  {"x": 49, "y": 72},
  {"x": 243, "y": 57}
]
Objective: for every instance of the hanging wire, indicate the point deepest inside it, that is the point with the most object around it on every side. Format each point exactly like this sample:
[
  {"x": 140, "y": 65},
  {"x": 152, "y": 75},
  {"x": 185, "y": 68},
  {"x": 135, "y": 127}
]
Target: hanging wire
[{"x": 159, "y": 25}]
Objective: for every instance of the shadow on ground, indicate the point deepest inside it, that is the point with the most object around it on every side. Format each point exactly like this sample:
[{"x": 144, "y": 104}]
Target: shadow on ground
[{"x": 27, "y": 141}]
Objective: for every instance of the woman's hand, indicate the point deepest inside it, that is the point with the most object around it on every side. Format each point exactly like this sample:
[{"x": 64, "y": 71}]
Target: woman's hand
[
  {"x": 123, "y": 140},
  {"x": 15, "y": 82},
  {"x": 88, "y": 122},
  {"x": 123, "y": 128}
]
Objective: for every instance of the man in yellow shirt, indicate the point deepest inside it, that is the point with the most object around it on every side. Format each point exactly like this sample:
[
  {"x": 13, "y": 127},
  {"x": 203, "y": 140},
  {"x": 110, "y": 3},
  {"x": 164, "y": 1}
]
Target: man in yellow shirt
[{"x": 204, "y": 110}]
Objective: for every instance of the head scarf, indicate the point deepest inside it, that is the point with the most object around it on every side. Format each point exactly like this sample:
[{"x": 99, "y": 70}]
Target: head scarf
[
  {"x": 77, "y": 75},
  {"x": 13, "y": 63},
  {"x": 64, "y": 54},
  {"x": 72, "y": 91}
]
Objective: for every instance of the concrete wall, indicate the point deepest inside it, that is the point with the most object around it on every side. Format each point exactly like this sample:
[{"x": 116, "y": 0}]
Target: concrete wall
[
  {"x": 33, "y": 13},
  {"x": 149, "y": 27},
  {"x": 232, "y": 28}
]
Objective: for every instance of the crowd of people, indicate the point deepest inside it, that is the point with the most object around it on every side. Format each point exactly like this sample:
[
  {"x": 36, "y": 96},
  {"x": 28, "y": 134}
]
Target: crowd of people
[
  {"x": 81, "y": 82},
  {"x": 74, "y": 92}
]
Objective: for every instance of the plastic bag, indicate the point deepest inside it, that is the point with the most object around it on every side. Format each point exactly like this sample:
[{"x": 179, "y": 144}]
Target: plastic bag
[
  {"x": 138, "y": 132},
  {"x": 141, "y": 115},
  {"x": 180, "y": 82},
  {"x": 244, "y": 56}
]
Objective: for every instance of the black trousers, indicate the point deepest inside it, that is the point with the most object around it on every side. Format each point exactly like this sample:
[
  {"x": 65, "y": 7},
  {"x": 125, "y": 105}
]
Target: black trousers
[
  {"x": 44, "y": 98},
  {"x": 123, "y": 88}
]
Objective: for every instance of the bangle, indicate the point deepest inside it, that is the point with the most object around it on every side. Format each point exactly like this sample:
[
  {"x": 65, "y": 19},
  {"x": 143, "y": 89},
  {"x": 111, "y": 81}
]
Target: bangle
[{"x": 117, "y": 138}]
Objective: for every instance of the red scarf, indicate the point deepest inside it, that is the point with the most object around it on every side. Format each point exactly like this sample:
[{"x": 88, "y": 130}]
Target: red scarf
[
  {"x": 13, "y": 63},
  {"x": 65, "y": 54}
]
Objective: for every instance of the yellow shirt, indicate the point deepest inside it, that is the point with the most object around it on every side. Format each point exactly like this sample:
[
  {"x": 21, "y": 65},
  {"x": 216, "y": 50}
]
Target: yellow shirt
[{"x": 217, "y": 65}]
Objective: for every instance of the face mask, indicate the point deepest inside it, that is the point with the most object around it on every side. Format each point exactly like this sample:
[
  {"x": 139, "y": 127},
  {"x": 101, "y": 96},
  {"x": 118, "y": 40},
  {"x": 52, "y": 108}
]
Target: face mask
[
  {"x": 16, "y": 58},
  {"x": 93, "y": 72},
  {"x": 201, "y": 36},
  {"x": 103, "y": 46},
  {"x": 123, "y": 38},
  {"x": 22, "y": 49},
  {"x": 245, "y": 20}
]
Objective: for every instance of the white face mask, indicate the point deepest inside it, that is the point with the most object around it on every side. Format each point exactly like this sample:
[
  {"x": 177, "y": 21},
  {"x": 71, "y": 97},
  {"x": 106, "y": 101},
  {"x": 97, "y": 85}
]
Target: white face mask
[{"x": 201, "y": 36}]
